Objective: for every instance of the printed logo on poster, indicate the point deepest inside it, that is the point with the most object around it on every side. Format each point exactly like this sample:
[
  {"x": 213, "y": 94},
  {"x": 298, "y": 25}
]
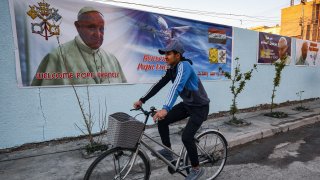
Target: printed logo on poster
[
  {"x": 49, "y": 18},
  {"x": 217, "y": 56},
  {"x": 217, "y": 36}
]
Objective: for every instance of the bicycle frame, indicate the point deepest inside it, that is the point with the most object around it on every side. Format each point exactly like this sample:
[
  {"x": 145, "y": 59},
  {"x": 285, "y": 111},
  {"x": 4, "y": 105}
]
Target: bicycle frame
[
  {"x": 176, "y": 167},
  {"x": 181, "y": 156}
]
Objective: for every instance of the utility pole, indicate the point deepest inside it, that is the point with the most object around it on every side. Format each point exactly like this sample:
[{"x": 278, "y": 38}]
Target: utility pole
[
  {"x": 318, "y": 27},
  {"x": 303, "y": 2}
]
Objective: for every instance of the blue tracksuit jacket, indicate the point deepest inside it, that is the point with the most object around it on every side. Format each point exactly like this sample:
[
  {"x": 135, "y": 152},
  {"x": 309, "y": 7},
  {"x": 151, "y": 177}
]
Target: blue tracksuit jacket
[{"x": 186, "y": 84}]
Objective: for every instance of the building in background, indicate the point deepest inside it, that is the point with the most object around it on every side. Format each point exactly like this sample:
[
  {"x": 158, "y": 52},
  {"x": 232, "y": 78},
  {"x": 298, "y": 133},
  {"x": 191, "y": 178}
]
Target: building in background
[
  {"x": 301, "y": 20},
  {"x": 267, "y": 29}
]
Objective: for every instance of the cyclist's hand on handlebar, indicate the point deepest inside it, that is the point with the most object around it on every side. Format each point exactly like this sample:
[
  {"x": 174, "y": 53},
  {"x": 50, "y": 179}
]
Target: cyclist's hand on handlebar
[
  {"x": 137, "y": 104},
  {"x": 160, "y": 115}
]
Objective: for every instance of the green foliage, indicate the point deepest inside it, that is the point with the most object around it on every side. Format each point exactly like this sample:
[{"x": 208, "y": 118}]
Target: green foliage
[
  {"x": 299, "y": 94},
  {"x": 95, "y": 146},
  {"x": 276, "y": 81},
  {"x": 238, "y": 82},
  {"x": 227, "y": 75},
  {"x": 233, "y": 108},
  {"x": 279, "y": 67}
]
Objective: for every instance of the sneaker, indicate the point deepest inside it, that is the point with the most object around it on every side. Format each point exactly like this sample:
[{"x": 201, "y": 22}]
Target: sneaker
[
  {"x": 165, "y": 153},
  {"x": 195, "y": 174}
]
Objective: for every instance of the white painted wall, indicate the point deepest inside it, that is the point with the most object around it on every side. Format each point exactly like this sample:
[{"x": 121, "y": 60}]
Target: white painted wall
[{"x": 22, "y": 121}]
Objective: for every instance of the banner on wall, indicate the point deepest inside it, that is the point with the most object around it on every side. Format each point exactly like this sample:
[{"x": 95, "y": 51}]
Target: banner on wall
[
  {"x": 274, "y": 48},
  {"x": 119, "y": 46},
  {"x": 307, "y": 53}
]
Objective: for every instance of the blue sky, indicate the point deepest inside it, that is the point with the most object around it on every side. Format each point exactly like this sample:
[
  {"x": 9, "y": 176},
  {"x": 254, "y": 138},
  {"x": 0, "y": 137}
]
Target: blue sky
[{"x": 257, "y": 12}]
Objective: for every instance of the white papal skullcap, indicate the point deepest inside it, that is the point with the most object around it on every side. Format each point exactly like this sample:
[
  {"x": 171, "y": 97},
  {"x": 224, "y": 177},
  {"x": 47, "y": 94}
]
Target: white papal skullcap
[
  {"x": 282, "y": 42},
  {"x": 87, "y": 9}
]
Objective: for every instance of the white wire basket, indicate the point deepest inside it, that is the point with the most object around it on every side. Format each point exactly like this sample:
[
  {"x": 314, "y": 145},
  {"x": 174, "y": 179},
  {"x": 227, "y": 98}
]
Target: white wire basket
[{"x": 123, "y": 130}]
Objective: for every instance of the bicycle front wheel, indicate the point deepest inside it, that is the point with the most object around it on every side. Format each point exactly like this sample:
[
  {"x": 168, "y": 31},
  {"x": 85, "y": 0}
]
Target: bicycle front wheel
[
  {"x": 118, "y": 164},
  {"x": 212, "y": 153}
]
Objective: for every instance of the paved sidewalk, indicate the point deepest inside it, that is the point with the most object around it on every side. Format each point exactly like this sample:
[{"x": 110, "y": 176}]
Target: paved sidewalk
[{"x": 65, "y": 161}]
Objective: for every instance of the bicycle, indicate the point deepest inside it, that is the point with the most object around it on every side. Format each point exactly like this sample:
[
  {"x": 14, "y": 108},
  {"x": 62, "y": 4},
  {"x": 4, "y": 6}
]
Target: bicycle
[{"x": 134, "y": 163}]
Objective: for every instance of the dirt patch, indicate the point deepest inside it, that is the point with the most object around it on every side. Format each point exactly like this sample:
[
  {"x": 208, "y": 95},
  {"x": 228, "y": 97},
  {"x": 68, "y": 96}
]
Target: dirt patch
[{"x": 277, "y": 114}]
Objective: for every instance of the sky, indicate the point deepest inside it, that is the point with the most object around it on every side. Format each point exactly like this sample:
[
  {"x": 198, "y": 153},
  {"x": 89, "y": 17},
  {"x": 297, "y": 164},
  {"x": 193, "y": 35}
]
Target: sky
[{"x": 237, "y": 13}]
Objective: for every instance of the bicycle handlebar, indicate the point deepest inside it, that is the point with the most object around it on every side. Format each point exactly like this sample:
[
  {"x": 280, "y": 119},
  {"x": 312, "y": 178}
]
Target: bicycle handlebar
[{"x": 152, "y": 111}]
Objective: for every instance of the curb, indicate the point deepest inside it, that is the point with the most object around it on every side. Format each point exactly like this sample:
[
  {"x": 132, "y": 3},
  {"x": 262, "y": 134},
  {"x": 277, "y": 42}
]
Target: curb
[{"x": 255, "y": 135}]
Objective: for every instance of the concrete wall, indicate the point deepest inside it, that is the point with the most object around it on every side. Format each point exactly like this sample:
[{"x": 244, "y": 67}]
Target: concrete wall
[{"x": 24, "y": 118}]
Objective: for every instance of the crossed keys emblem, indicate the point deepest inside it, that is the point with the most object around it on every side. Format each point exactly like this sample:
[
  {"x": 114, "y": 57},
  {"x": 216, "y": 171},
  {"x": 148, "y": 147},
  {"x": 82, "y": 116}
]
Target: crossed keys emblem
[{"x": 48, "y": 16}]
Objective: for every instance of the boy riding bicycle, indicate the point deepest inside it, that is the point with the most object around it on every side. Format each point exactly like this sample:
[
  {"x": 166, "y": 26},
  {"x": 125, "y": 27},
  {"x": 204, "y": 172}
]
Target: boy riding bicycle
[{"x": 195, "y": 103}]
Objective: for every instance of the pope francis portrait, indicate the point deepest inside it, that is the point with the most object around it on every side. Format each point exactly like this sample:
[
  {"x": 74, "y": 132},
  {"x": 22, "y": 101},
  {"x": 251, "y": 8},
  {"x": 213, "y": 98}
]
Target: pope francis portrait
[{"x": 81, "y": 60}]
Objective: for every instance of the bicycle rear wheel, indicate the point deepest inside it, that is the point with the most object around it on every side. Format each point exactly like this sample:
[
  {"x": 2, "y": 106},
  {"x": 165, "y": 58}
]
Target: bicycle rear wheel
[
  {"x": 116, "y": 163},
  {"x": 212, "y": 153}
]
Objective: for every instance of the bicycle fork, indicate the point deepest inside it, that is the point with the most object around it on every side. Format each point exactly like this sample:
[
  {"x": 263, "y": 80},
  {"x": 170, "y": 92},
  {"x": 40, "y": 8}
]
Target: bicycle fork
[{"x": 131, "y": 161}]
